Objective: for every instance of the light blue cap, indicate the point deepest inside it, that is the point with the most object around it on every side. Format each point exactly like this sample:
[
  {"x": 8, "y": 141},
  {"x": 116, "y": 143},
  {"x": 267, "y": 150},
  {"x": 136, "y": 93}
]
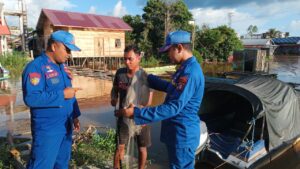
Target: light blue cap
[
  {"x": 66, "y": 38},
  {"x": 176, "y": 37}
]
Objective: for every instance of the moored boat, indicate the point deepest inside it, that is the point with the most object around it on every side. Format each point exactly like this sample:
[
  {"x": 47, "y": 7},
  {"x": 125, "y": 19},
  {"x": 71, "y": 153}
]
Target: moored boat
[{"x": 250, "y": 121}]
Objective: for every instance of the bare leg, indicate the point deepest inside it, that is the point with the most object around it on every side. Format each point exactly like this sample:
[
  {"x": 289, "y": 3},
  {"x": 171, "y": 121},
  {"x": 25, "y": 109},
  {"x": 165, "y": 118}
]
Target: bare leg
[
  {"x": 142, "y": 157},
  {"x": 119, "y": 155}
]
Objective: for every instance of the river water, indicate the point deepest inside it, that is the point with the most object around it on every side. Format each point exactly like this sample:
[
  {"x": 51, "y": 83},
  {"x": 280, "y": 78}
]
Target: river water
[
  {"x": 287, "y": 68},
  {"x": 94, "y": 104}
]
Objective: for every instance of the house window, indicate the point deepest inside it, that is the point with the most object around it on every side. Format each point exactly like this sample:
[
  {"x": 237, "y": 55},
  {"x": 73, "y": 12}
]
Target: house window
[{"x": 117, "y": 43}]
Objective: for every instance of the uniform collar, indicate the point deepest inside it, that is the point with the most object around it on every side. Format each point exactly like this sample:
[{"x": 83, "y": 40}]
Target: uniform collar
[
  {"x": 46, "y": 58},
  {"x": 188, "y": 61}
]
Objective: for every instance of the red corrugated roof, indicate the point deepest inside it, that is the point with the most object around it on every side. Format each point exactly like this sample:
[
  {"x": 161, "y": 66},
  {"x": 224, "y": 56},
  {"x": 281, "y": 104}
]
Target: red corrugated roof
[
  {"x": 4, "y": 29},
  {"x": 75, "y": 19}
]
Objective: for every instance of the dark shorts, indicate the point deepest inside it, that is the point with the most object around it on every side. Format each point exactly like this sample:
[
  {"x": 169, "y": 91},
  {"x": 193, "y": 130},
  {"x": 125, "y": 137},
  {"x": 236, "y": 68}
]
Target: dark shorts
[{"x": 143, "y": 139}]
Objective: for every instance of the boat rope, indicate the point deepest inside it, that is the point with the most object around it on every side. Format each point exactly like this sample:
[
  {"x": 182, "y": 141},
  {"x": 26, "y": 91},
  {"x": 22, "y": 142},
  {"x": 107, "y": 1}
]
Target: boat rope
[
  {"x": 225, "y": 162},
  {"x": 252, "y": 126},
  {"x": 263, "y": 127},
  {"x": 253, "y": 132},
  {"x": 248, "y": 147}
]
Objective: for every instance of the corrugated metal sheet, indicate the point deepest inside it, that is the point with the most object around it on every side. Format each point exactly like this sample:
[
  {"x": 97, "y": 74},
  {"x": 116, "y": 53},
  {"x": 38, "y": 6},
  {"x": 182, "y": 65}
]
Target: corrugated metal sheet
[
  {"x": 4, "y": 30},
  {"x": 75, "y": 19},
  {"x": 257, "y": 42},
  {"x": 288, "y": 40}
]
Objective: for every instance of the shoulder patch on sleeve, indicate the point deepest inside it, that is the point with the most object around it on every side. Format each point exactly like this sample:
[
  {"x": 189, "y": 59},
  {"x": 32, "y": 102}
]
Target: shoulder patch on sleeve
[
  {"x": 181, "y": 82},
  {"x": 34, "y": 78}
]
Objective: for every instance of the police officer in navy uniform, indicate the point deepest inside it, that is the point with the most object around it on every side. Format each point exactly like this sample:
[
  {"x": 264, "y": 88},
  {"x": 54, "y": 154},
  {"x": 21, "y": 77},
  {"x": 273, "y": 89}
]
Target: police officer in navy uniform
[
  {"x": 48, "y": 91},
  {"x": 180, "y": 129}
]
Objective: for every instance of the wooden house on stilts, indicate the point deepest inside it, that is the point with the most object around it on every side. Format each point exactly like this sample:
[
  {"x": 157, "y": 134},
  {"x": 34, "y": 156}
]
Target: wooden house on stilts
[{"x": 101, "y": 38}]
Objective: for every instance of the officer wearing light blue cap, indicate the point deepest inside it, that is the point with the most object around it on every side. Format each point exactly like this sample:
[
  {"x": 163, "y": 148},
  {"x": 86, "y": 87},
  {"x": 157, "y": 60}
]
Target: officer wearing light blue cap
[
  {"x": 177, "y": 37},
  {"x": 54, "y": 110},
  {"x": 180, "y": 129},
  {"x": 66, "y": 38}
]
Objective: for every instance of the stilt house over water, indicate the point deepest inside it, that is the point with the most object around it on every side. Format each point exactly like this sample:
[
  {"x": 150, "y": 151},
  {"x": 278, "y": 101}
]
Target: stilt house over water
[{"x": 98, "y": 36}]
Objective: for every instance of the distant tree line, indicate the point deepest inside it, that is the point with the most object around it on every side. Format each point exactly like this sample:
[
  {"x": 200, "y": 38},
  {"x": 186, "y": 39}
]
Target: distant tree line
[
  {"x": 271, "y": 33},
  {"x": 217, "y": 43},
  {"x": 162, "y": 16}
]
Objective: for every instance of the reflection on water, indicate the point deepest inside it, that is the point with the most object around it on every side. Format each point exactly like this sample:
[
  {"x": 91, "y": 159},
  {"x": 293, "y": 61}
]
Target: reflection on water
[
  {"x": 287, "y": 68},
  {"x": 91, "y": 87},
  {"x": 14, "y": 115}
]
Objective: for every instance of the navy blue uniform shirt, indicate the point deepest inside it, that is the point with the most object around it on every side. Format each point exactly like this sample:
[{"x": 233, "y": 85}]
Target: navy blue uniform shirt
[
  {"x": 179, "y": 113},
  {"x": 43, "y": 83}
]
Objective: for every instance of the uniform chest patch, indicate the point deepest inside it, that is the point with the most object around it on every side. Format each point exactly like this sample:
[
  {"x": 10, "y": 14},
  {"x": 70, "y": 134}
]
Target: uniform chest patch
[
  {"x": 54, "y": 80},
  {"x": 34, "y": 78},
  {"x": 48, "y": 69}
]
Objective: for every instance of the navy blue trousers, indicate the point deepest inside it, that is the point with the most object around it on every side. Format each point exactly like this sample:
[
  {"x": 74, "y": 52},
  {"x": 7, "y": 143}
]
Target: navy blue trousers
[
  {"x": 181, "y": 158},
  {"x": 50, "y": 152}
]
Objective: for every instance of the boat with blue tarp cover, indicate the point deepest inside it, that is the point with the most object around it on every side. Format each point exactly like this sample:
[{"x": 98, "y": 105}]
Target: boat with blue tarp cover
[{"x": 251, "y": 121}]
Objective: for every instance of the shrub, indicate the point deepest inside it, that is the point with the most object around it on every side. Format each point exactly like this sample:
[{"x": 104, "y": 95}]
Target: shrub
[
  {"x": 149, "y": 62},
  {"x": 198, "y": 56},
  {"x": 97, "y": 151},
  {"x": 4, "y": 155},
  {"x": 14, "y": 62}
]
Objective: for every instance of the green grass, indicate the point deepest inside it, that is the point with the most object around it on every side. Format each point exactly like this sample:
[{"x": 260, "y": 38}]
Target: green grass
[
  {"x": 14, "y": 62},
  {"x": 215, "y": 68},
  {"x": 160, "y": 70},
  {"x": 149, "y": 62},
  {"x": 209, "y": 68},
  {"x": 97, "y": 150},
  {"x": 5, "y": 159},
  {"x": 90, "y": 149}
]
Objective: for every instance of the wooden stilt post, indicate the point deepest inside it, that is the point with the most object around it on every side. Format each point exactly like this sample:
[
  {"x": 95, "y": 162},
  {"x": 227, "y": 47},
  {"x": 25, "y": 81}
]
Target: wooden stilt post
[{"x": 93, "y": 63}]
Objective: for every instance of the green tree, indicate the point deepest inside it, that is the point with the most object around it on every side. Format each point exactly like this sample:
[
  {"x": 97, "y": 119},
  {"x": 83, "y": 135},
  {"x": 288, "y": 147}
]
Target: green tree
[
  {"x": 205, "y": 26},
  {"x": 230, "y": 43},
  {"x": 273, "y": 33},
  {"x": 207, "y": 42},
  {"x": 180, "y": 16},
  {"x": 161, "y": 17},
  {"x": 154, "y": 25},
  {"x": 217, "y": 43},
  {"x": 137, "y": 25},
  {"x": 252, "y": 29}
]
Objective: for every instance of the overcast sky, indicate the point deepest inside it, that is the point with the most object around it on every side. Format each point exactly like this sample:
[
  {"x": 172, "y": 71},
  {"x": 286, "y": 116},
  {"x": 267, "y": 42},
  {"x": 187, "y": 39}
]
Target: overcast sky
[{"x": 283, "y": 15}]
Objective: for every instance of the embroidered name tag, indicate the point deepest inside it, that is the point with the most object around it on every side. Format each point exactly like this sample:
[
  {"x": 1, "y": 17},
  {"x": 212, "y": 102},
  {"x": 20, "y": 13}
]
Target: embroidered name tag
[{"x": 51, "y": 74}]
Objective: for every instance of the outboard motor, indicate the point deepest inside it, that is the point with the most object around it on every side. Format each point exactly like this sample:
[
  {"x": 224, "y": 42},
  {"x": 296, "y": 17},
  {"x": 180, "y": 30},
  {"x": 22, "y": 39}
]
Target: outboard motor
[{"x": 203, "y": 137}]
